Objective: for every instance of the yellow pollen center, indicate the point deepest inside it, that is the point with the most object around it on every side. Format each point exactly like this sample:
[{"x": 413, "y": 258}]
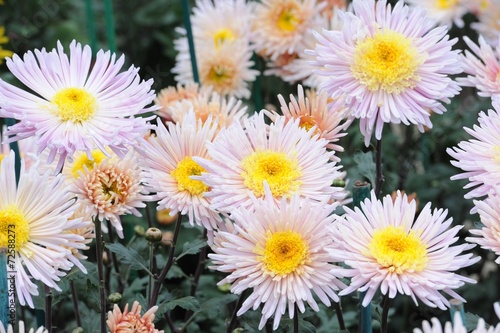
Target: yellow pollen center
[
  {"x": 83, "y": 160},
  {"x": 284, "y": 253},
  {"x": 446, "y": 4},
  {"x": 307, "y": 122},
  {"x": 74, "y": 104},
  {"x": 287, "y": 20},
  {"x": 223, "y": 35},
  {"x": 220, "y": 74},
  {"x": 186, "y": 168},
  {"x": 387, "y": 61},
  {"x": 14, "y": 228},
  {"x": 1, "y": 157},
  {"x": 279, "y": 170},
  {"x": 398, "y": 251}
]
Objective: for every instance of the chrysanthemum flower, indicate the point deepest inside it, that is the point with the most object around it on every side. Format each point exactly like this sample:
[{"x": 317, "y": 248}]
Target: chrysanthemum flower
[
  {"x": 315, "y": 110},
  {"x": 444, "y": 12},
  {"x": 169, "y": 165},
  {"x": 488, "y": 24},
  {"x": 280, "y": 25},
  {"x": 388, "y": 250},
  {"x": 483, "y": 67},
  {"x": 458, "y": 325},
  {"x": 169, "y": 96},
  {"x": 478, "y": 157},
  {"x": 110, "y": 188},
  {"x": 390, "y": 63},
  {"x": 132, "y": 321},
  {"x": 289, "y": 158},
  {"x": 282, "y": 253},
  {"x": 75, "y": 107},
  {"x": 224, "y": 110},
  {"x": 39, "y": 211},
  {"x": 21, "y": 329},
  {"x": 490, "y": 215}
]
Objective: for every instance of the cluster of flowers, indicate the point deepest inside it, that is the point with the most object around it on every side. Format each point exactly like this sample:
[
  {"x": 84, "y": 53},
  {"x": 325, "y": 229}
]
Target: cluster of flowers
[{"x": 260, "y": 185}]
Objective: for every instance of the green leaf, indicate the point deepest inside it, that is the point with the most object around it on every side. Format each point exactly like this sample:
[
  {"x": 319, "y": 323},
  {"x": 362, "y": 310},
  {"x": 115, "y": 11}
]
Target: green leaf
[
  {"x": 471, "y": 321},
  {"x": 192, "y": 247},
  {"x": 129, "y": 257},
  {"x": 366, "y": 166},
  {"x": 187, "y": 303}
]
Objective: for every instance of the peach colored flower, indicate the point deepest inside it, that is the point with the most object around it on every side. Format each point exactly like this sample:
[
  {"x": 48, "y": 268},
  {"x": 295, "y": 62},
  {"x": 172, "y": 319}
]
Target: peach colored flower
[{"x": 131, "y": 321}]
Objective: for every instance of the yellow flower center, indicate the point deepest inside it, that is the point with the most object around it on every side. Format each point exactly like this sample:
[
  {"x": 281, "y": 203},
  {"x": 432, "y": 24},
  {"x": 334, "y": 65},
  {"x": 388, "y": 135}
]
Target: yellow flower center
[
  {"x": 223, "y": 35},
  {"x": 279, "y": 170},
  {"x": 307, "y": 122},
  {"x": 446, "y": 4},
  {"x": 1, "y": 157},
  {"x": 287, "y": 19},
  {"x": 387, "y": 61},
  {"x": 186, "y": 168},
  {"x": 398, "y": 251},
  {"x": 285, "y": 252},
  {"x": 83, "y": 160},
  {"x": 75, "y": 104},
  {"x": 14, "y": 228},
  {"x": 220, "y": 74}
]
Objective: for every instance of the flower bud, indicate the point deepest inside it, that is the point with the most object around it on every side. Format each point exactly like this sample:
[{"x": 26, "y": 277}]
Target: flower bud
[
  {"x": 153, "y": 235},
  {"x": 139, "y": 230},
  {"x": 114, "y": 298},
  {"x": 163, "y": 217}
]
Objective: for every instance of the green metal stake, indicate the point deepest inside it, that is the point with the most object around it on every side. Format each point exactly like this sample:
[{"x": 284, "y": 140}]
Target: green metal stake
[
  {"x": 110, "y": 25},
  {"x": 90, "y": 25},
  {"x": 360, "y": 192},
  {"x": 457, "y": 306},
  {"x": 189, "y": 31}
]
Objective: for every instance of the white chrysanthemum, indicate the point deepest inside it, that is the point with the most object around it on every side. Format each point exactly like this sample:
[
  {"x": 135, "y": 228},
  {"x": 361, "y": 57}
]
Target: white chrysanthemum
[
  {"x": 388, "y": 249},
  {"x": 76, "y": 106},
  {"x": 221, "y": 22},
  {"x": 291, "y": 160},
  {"x": 444, "y": 12},
  {"x": 280, "y": 25},
  {"x": 21, "y": 329},
  {"x": 168, "y": 160},
  {"x": 282, "y": 253},
  {"x": 35, "y": 219},
  {"x": 110, "y": 187},
  {"x": 483, "y": 67},
  {"x": 489, "y": 214},
  {"x": 314, "y": 110},
  {"x": 226, "y": 69},
  {"x": 221, "y": 109},
  {"x": 458, "y": 326},
  {"x": 488, "y": 24},
  {"x": 391, "y": 63},
  {"x": 479, "y": 157}
]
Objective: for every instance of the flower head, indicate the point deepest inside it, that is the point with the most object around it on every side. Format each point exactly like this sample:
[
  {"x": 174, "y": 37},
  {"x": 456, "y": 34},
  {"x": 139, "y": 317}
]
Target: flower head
[
  {"x": 289, "y": 158},
  {"x": 10, "y": 329},
  {"x": 167, "y": 97},
  {"x": 39, "y": 210},
  {"x": 132, "y": 321},
  {"x": 75, "y": 107},
  {"x": 483, "y": 67},
  {"x": 315, "y": 110},
  {"x": 479, "y": 157},
  {"x": 281, "y": 253},
  {"x": 488, "y": 24},
  {"x": 110, "y": 187},
  {"x": 444, "y": 12},
  {"x": 390, "y": 63},
  {"x": 387, "y": 249},
  {"x": 170, "y": 168}
]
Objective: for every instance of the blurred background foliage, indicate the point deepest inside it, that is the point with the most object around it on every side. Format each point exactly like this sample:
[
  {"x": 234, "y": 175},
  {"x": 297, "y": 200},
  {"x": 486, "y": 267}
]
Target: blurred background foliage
[{"x": 412, "y": 161}]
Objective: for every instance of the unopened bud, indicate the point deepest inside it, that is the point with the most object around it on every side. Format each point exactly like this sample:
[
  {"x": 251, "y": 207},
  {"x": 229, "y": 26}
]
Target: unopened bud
[
  {"x": 153, "y": 235},
  {"x": 139, "y": 230},
  {"x": 167, "y": 238},
  {"x": 105, "y": 258},
  {"x": 78, "y": 330},
  {"x": 114, "y": 298},
  {"x": 163, "y": 216},
  {"x": 338, "y": 183}
]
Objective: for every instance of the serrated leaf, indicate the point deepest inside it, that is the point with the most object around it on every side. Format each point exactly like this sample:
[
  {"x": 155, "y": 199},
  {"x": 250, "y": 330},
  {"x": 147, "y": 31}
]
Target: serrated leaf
[
  {"x": 129, "y": 256},
  {"x": 187, "y": 303},
  {"x": 175, "y": 272},
  {"x": 366, "y": 166},
  {"x": 192, "y": 247},
  {"x": 214, "y": 306}
]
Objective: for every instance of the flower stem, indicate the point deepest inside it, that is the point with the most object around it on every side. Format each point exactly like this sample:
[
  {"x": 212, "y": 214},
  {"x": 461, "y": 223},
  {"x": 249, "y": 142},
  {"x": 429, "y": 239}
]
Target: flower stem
[
  {"x": 170, "y": 261},
  {"x": 296, "y": 320},
  {"x": 340, "y": 315},
  {"x": 230, "y": 326},
  {"x": 378, "y": 168},
  {"x": 385, "y": 313},
  {"x": 48, "y": 309},
  {"x": 116, "y": 264},
  {"x": 100, "y": 272},
  {"x": 75, "y": 303},
  {"x": 151, "y": 268}
]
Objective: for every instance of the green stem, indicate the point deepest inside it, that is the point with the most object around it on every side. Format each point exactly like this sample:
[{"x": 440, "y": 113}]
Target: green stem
[
  {"x": 151, "y": 268},
  {"x": 378, "y": 168},
  {"x": 48, "y": 309},
  {"x": 189, "y": 32},
  {"x": 75, "y": 303},
  {"x": 296, "y": 320}
]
